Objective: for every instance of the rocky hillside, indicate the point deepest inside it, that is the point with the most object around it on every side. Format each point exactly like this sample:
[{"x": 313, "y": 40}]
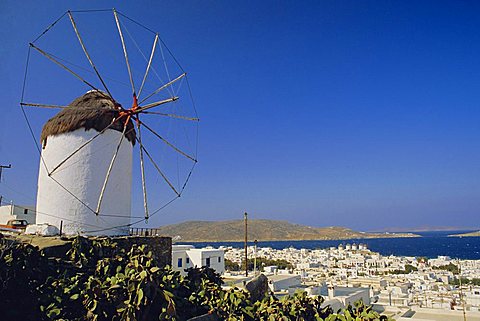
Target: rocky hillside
[{"x": 263, "y": 230}]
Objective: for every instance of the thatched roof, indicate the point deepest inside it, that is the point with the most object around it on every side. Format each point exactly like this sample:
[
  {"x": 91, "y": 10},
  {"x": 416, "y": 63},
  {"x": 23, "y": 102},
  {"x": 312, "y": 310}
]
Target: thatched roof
[{"x": 94, "y": 110}]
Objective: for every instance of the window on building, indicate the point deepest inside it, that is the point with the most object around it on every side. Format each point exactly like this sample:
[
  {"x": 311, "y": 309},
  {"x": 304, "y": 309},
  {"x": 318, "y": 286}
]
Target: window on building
[
  {"x": 179, "y": 262},
  {"x": 187, "y": 260},
  {"x": 207, "y": 262},
  {"x": 25, "y": 211},
  {"x": 219, "y": 259}
]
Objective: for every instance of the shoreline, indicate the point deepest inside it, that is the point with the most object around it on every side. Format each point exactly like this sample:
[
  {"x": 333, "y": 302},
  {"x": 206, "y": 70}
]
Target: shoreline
[
  {"x": 425, "y": 246},
  {"x": 471, "y": 234},
  {"x": 306, "y": 240}
]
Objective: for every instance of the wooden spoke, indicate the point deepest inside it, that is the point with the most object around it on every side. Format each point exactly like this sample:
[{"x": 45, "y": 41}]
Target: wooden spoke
[
  {"x": 171, "y": 115},
  {"x": 155, "y": 104},
  {"x": 168, "y": 143},
  {"x": 49, "y": 56},
  {"x": 124, "y": 50},
  {"x": 86, "y": 52},
  {"x": 164, "y": 86},
  {"x": 83, "y": 145},
  {"x": 158, "y": 169},
  {"x": 142, "y": 167},
  {"x": 148, "y": 65},
  {"x": 42, "y": 105},
  {"x": 110, "y": 167}
]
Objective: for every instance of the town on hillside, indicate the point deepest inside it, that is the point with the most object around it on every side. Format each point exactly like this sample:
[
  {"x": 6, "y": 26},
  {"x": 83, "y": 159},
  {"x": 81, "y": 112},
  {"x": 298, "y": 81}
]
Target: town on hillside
[{"x": 407, "y": 288}]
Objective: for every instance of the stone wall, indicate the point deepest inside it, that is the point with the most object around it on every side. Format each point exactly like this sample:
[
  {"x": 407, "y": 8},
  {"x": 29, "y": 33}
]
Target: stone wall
[
  {"x": 58, "y": 247},
  {"x": 160, "y": 245}
]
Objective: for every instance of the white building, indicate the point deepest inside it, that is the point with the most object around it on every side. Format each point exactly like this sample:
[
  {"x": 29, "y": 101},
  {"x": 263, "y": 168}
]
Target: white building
[
  {"x": 426, "y": 314},
  {"x": 472, "y": 298},
  {"x": 17, "y": 212},
  {"x": 341, "y": 297},
  {"x": 180, "y": 258},
  {"x": 187, "y": 256},
  {"x": 284, "y": 282}
]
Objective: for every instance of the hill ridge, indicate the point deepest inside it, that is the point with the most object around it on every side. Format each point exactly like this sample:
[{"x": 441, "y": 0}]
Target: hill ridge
[{"x": 263, "y": 230}]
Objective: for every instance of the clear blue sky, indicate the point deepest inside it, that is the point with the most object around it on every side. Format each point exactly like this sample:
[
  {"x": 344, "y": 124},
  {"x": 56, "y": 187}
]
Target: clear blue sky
[{"x": 363, "y": 114}]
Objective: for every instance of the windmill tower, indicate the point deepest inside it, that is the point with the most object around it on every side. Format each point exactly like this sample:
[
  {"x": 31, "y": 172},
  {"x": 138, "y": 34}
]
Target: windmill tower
[{"x": 77, "y": 148}]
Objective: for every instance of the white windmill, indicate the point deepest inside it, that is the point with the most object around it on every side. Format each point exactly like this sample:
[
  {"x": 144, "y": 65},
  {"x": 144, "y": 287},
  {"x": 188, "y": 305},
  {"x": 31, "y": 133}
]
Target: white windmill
[{"x": 85, "y": 176}]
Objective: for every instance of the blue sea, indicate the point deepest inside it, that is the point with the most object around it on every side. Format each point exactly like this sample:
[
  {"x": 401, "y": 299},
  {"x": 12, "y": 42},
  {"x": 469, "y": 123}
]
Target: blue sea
[{"x": 431, "y": 245}]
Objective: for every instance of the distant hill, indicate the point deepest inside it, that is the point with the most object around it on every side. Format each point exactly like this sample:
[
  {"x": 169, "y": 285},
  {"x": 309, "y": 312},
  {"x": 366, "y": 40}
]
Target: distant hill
[
  {"x": 424, "y": 229},
  {"x": 477, "y": 233},
  {"x": 263, "y": 230}
]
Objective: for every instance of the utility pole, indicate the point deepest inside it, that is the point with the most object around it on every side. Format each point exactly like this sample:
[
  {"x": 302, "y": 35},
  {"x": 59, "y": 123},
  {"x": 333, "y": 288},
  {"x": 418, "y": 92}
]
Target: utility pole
[
  {"x": 2, "y": 167},
  {"x": 246, "y": 240},
  {"x": 462, "y": 300},
  {"x": 255, "y": 258}
]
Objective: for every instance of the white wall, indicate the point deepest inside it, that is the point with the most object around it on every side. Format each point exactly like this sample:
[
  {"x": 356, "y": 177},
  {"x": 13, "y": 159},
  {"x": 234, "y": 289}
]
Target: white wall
[
  {"x": 277, "y": 283},
  {"x": 179, "y": 252},
  {"x": 348, "y": 295},
  {"x": 213, "y": 258},
  {"x": 473, "y": 297},
  {"x": 363, "y": 295},
  {"x": 83, "y": 176},
  {"x": 192, "y": 257},
  {"x": 17, "y": 212}
]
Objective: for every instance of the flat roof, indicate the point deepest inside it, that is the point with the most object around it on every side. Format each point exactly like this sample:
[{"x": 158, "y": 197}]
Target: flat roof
[{"x": 279, "y": 277}]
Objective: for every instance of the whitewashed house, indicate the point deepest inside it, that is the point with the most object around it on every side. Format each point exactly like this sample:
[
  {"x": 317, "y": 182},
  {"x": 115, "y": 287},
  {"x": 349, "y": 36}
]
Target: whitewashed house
[
  {"x": 283, "y": 282},
  {"x": 187, "y": 256},
  {"x": 17, "y": 212},
  {"x": 180, "y": 258},
  {"x": 341, "y": 297}
]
